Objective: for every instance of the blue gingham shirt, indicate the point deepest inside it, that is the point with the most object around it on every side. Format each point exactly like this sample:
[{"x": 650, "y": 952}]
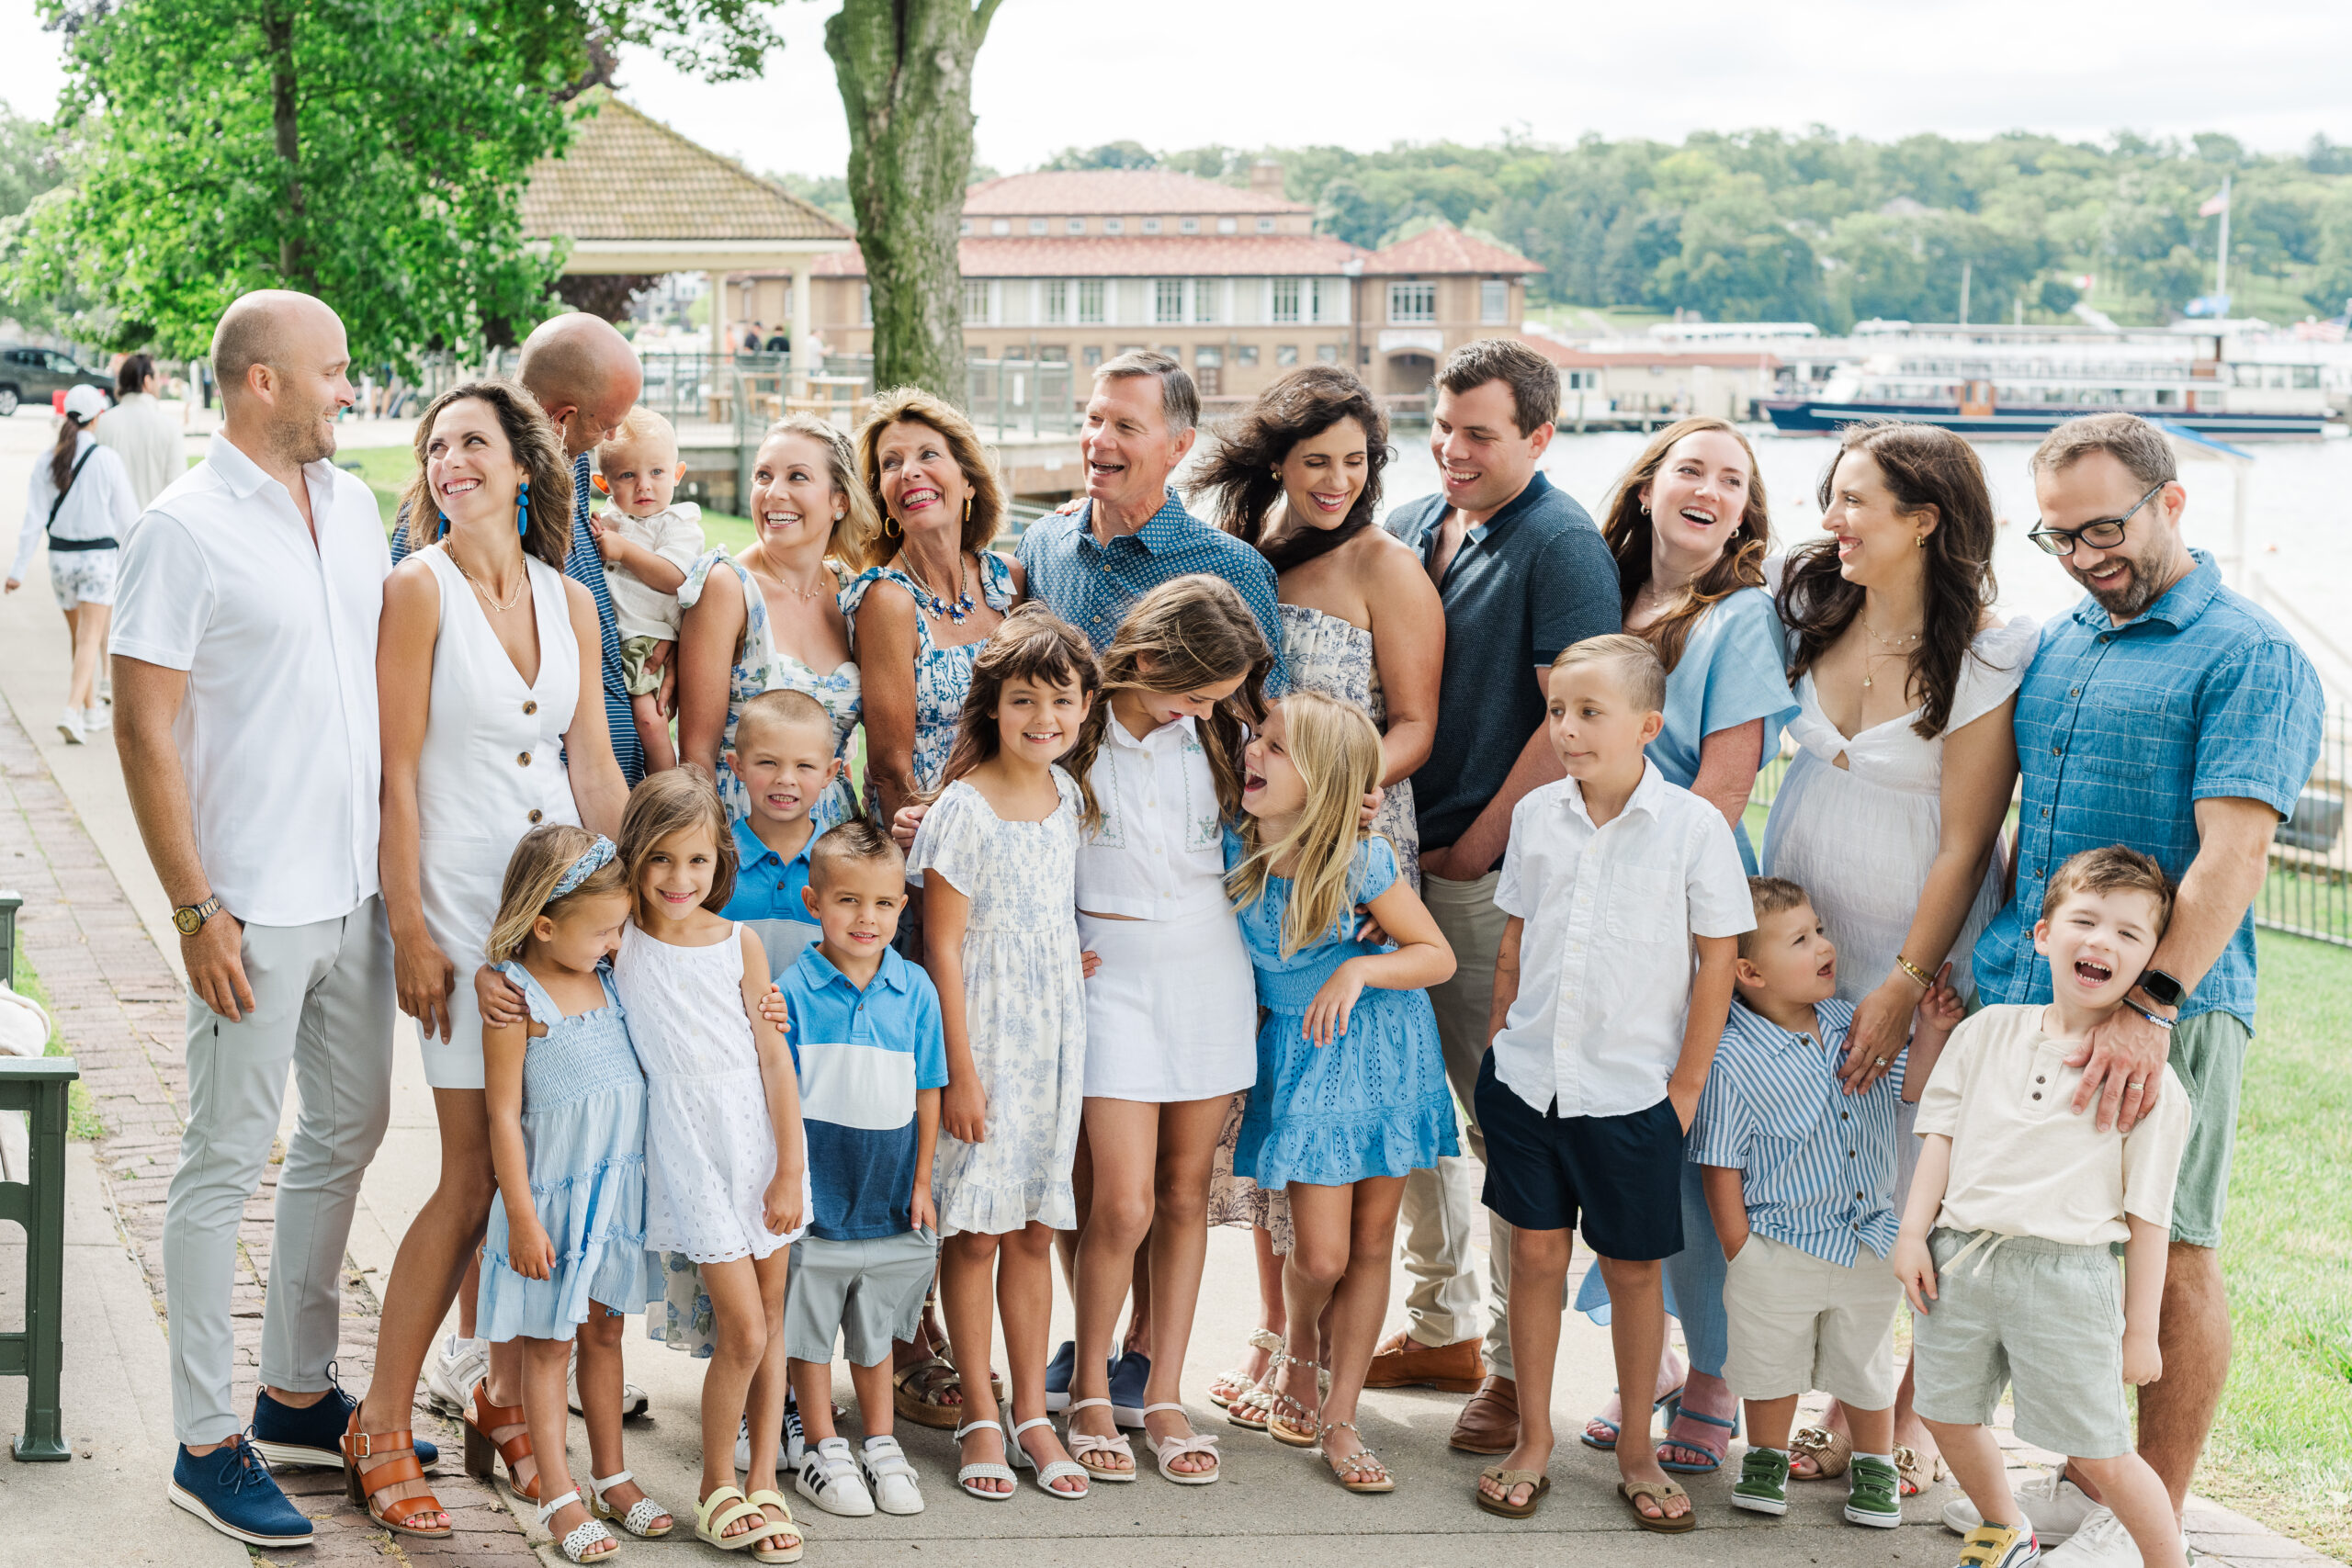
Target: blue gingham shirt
[
  {"x": 2121, "y": 731},
  {"x": 586, "y": 567},
  {"x": 1092, "y": 585},
  {"x": 1816, "y": 1164}
]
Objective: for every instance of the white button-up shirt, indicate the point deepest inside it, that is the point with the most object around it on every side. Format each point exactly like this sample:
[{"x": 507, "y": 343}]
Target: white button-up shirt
[
  {"x": 1159, "y": 853},
  {"x": 278, "y": 732},
  {"x": 1606, "y": 959}
]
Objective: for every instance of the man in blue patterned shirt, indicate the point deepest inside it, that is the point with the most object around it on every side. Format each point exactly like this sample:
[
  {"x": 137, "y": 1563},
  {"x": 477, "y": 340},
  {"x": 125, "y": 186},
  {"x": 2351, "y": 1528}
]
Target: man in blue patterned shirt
[
  {"x": 2171, "y": 715},
  {"x": 1130, "y": 534},
  {"x": 584, "y": 376}
]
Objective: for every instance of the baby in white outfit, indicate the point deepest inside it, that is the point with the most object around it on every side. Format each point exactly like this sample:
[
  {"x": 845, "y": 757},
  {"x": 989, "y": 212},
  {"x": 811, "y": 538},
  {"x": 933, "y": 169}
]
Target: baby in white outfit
[{"x": 648, "y": 542}]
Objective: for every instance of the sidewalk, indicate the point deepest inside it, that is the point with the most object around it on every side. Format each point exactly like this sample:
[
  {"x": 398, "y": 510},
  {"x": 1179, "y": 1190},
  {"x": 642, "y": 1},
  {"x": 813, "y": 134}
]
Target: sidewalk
[{"x": 97, "y": 928}]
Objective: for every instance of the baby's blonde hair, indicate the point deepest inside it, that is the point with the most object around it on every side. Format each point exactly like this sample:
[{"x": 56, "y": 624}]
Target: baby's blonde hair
[
  {"x": 641, "y": 425},
  {"x": 1336, "y": 752},
  {"x": 538, "y": 863}
]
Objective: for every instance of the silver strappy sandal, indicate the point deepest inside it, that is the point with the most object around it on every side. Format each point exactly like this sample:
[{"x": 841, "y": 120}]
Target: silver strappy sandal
[{"x": 1360, "y": 1471}]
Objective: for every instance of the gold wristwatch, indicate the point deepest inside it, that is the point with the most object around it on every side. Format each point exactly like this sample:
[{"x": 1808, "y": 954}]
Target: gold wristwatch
[{"x": 189, "y": 919}]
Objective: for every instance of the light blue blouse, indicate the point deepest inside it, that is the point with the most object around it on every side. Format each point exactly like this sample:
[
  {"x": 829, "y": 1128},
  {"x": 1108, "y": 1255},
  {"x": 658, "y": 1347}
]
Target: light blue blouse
[{"x": 1734, "y": 669}]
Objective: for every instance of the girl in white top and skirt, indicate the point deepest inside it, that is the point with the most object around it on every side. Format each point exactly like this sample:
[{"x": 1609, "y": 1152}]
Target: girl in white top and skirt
[{"x": 1172, "y": 1011}]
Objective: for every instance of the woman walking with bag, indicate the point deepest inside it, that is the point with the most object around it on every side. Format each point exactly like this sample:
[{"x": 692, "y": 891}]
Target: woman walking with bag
[{"x": 82, "y": 496}]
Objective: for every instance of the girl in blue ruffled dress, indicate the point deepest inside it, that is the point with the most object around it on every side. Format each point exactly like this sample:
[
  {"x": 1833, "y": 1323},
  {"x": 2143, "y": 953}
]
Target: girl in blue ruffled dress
[
  {"x": 1352, "y": 1092},
  {"x": 565, "y": 1255}
]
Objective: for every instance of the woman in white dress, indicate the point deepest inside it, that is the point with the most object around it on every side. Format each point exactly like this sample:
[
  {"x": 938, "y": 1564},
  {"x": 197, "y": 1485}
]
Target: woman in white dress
[
  {"x": 1892, "y": 809},
  {"x": 771, "y": 617},
  {"x": 490, "y": 682}
]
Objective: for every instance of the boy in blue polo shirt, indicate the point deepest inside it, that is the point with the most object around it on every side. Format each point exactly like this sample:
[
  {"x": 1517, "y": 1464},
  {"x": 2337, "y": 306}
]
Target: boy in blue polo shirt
[
  {"x": 866, "y": 1038},
  {"x": 783, "y": 754},
  {"x": 1799, "y": 1182}
]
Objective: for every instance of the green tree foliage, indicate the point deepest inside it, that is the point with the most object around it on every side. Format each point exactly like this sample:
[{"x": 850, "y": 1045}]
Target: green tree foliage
[
  {"x": 370, "y": 151},
  {"x": 1815, "y": 226}
]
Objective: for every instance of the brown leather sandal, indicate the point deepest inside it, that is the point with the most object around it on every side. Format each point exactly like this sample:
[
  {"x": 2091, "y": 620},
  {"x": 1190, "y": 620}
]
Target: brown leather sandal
[
  {"x": 481, "y": 1421},
  {"x": 396, "y": 1450}
]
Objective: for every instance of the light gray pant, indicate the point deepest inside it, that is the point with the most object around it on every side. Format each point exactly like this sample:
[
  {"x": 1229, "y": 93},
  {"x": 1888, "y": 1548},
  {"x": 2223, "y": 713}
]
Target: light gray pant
[
  {"x": 324, "y": 1000},
  {"x": 1441, "y": 1205}
]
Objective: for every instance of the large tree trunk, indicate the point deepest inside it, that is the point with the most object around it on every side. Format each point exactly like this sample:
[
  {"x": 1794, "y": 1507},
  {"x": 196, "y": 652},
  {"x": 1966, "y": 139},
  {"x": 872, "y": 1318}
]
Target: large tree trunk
[
  {"x": 278, "y": 27},
  {"x": 905, "y": 70}
]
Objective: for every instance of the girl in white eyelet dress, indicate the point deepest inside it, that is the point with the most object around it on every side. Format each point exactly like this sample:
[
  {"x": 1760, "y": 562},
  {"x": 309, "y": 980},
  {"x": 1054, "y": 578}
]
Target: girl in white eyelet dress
[{"x": 725, "y": 1177}]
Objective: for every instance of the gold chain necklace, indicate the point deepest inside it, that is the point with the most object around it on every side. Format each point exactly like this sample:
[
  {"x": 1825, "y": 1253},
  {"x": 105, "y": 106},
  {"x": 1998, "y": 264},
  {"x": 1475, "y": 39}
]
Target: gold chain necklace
[
  {"x": 488, "y": 597},
  {"x": 1871, "y": 661}
]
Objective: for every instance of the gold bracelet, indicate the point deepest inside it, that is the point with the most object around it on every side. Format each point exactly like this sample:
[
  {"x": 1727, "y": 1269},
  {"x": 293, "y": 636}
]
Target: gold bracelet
[{"x": 1926, "y": 981}]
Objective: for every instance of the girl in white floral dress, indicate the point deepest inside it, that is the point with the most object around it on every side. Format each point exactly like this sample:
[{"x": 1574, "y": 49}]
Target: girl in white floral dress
[{"x": 996, "y": 859}]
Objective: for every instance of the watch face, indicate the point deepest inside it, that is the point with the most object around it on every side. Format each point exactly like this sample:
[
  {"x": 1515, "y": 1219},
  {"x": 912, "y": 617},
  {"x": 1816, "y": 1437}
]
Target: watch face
[
  {"x": 187, "y": 921},
  {"x": 2162, "y": 986}
]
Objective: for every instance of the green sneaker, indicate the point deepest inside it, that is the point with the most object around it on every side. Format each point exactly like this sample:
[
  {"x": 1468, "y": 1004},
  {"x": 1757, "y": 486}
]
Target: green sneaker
[
  {"x": 1874, "y": 1495},
  {"x": 1763, "y": 1483}
]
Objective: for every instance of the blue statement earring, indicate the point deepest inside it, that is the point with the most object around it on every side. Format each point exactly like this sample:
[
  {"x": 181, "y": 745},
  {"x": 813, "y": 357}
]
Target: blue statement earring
[
  {"x": 523, "y": 509},
  {"x": 445, "y": 527}
]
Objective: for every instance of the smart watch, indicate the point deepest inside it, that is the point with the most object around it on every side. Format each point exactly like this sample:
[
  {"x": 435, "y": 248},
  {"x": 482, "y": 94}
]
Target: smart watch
[
  {"x": 189, "y": 919},
  {"x": 2162, "y": 989}
]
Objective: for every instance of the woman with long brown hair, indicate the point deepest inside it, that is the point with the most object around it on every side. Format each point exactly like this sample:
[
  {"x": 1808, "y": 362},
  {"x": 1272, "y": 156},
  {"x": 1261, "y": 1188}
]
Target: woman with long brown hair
[
  {"x": 1905, "y": 758},
  {"x": 1689, "y": 526}
]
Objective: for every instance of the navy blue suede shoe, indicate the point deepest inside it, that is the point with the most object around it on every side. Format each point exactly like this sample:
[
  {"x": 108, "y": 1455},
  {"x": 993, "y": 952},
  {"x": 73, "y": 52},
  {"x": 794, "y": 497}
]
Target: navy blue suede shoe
[
  {"x": 307, "y": 1436},
  {"x": 1058, "y": 1371},
  {"x": 231, "y": 1490},
  {"x": 1129, "y": 1374}
]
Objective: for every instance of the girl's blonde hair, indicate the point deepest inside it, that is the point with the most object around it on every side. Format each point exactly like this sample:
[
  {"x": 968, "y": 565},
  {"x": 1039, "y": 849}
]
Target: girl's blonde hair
[
  {"x": 537, "y": 863},
  {"x": 673, "y": 802},
  {"x": 1196, "y": 632},
  {"x": 853, "y": 538},
  {"x": 1034, "y": 645},
  {"x": 1336, "y": 752}
]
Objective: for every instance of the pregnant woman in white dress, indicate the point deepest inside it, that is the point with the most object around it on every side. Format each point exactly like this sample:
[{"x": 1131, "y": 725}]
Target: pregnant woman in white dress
[
  {"x": 489, "y": 681},
  {"x": 1905, "y": 759}
]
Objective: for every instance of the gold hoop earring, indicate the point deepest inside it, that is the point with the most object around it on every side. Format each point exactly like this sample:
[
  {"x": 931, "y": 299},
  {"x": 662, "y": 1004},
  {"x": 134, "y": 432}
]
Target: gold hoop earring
[
  {"x": 1920, "y": 540},
  {"x": 891, "y": 529},
  {"x": 967, "y": 509}
]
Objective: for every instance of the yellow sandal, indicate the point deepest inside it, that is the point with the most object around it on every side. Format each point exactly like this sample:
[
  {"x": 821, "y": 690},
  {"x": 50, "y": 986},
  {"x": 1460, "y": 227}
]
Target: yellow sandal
[
  {"x": 723, "y": 1507},
  {"x": 766, "y": 1497}
]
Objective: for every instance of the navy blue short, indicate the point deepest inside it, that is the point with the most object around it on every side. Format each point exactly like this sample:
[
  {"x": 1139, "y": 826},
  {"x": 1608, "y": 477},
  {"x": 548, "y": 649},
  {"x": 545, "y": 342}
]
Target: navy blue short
[{"x": 1622, "y": 1174}]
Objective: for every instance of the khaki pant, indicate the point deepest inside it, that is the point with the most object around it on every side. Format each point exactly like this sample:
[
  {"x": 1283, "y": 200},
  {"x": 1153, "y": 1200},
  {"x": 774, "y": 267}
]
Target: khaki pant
[{"x": 1441, "y": 1205}]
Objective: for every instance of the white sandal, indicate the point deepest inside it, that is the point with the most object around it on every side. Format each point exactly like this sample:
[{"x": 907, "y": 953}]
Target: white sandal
[
  {"x": 1166, "y": 1448},
  {"x": 641, "y": 1512},
  {"x": 983, "y": 1471},
  {"x": 889, "y": 1477},
  {"x": 583, "y": 1535},
  {"x": 1084, "y": 1443},
  {"x": 1241, "y": 1378},
  {"x": 1053, "y": 1469},
  {"x": 829, "y": 1478}
]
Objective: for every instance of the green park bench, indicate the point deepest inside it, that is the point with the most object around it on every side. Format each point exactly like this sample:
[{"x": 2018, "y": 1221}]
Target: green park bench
[{"x": 38, "y": 1085}]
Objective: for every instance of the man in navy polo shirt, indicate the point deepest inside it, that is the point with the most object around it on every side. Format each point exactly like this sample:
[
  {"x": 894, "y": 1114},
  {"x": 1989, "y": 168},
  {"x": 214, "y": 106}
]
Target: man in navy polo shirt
[{"x": 1523, "y": 573}]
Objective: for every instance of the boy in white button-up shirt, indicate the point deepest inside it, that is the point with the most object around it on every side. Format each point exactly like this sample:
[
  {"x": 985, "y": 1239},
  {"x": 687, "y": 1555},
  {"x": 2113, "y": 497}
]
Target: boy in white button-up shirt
[{"x": 1603, "y": 1030}]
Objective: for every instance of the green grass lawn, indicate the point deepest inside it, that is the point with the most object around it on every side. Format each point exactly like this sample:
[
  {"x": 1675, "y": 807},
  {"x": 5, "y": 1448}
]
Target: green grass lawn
[
  {"x": 81, "y": 1120},
  {"x": 2282, "y": 1448},
  {"x": 388, "y": 470}
]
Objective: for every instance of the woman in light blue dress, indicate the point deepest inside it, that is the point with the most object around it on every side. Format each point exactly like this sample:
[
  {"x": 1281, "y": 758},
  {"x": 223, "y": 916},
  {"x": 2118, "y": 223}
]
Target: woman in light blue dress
[{"x": 1689, "y": 527}]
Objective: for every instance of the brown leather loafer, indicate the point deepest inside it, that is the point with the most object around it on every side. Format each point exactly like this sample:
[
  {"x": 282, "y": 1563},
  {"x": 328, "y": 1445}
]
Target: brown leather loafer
[
  {"x": 1403, "y": 1361},
  {"x": 1490, "y": 1423}
]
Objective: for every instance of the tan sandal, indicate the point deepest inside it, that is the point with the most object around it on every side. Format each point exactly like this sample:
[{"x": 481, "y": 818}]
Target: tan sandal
[
  {"x": 1502, "y": 1506},
  {"x": 916, "y": 1386},
  {"x": 1287, "y": 1421},
  {"x": 398, "y": 1453},
  {"x": 481, "y": 1420},
  {"x": 766, "y": 1550},
  {"x": 1829, "y": 1451},
  {"x": 1660, "y": 1493},
  {"x": 1360, "y": 1471},
  {"x": 1918, "y": 1473}
]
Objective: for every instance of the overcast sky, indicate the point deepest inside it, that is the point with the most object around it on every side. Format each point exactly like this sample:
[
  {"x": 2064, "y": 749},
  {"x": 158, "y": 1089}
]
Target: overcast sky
[{"x": 1254, "y": 72}]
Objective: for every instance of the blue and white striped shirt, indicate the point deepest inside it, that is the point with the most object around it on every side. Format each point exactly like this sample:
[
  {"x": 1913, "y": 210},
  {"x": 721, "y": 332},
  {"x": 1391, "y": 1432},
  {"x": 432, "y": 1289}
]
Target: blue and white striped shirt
[
  {"x": 2121, "y": 731},
  {"x": 1816, "y": 1164},
  {"x": 1092, "y": 585},
  {"x": 586, "y": 567}
]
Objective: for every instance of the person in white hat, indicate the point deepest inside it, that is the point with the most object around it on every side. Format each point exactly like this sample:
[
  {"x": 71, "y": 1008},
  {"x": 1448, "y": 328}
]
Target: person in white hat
[{"x": 81, "y": 496}]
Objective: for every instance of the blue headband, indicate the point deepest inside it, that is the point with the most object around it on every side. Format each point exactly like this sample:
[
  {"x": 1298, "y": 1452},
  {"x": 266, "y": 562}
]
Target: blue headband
[{"x": 597, "y": 854}]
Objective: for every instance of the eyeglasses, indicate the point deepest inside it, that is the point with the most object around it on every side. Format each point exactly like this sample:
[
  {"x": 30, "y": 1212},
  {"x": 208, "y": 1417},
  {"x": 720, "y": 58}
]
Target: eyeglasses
[{"x": 2103, "y": 535}]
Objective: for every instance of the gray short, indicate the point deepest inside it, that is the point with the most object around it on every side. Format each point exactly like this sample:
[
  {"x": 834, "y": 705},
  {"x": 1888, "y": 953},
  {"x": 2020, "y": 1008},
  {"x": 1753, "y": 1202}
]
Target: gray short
[
  {"x": 866, "y": 1292},
  {"x": 2040, "y": 1317}
]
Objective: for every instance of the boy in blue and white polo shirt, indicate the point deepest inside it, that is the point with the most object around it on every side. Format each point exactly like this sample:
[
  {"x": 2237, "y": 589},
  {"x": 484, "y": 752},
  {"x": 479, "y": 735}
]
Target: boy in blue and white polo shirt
[
  {"x": 1800, "y": 1181},
  {"x": 867, "y": 1039}
]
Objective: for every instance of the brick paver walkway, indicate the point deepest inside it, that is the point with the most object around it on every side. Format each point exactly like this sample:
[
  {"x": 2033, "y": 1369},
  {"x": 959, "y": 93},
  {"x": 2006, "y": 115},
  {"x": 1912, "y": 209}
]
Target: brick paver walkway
[{"x": 123, "y": 1015}]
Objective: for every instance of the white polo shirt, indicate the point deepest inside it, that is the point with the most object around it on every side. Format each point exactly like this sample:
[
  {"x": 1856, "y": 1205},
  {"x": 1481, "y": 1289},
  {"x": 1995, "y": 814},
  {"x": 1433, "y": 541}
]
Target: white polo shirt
[
  {"x": 1159, "y": 853},
  {"x": 278, "y": 732},
  {"x": 1606, "y": 959}
]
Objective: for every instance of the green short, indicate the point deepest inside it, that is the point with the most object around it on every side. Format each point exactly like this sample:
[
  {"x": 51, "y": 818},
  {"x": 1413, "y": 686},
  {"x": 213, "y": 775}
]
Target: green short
[
  {"x": 2209, "y": 1057},
  {"x": 635, "y": 650}
]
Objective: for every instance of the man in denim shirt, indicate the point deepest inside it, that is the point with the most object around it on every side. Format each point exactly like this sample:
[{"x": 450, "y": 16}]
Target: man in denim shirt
[{"x": 2171, "y": 715}]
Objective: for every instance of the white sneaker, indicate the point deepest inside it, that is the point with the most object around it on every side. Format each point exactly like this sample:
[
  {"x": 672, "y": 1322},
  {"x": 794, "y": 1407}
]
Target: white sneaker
[
  {"x": 635, "y": 1401},
  {"x": 795, "y": 1446},
  {"x": 2100, "y": 1542},
  {"x": 69, "y": 724},
  {"x": 830, "y": 1480},
  {"x": 888, "y": 1475},
  {"x": 95, "y": 718},
  {"x": 451, "y": 1372},
  {"x": 2055, "y": 1506}
]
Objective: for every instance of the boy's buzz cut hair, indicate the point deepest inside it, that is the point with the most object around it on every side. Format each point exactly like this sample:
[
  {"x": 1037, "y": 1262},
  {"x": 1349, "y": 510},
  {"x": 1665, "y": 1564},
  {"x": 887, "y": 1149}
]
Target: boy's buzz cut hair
[
  {"x": 856, "y": 839},
  {"x": 2110, "y": 869},
  {"x": 1641, "y": 675},
  {"x": 1771, "y": 895},
  {"x": 782, "y": 705},
  {"x": 642, "y": 424}
]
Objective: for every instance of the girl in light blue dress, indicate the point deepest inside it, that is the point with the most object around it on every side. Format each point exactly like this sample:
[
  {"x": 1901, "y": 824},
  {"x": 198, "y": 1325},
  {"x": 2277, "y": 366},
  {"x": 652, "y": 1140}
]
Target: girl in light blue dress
[
  {"x": 1351, "y": 1093},
  {"x": 565, "y": 1254}
]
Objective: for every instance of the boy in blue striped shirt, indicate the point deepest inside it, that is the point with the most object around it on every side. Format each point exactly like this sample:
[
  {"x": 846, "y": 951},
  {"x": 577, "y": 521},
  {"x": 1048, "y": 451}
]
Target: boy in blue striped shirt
[{"x": 1799, "y": 1182}]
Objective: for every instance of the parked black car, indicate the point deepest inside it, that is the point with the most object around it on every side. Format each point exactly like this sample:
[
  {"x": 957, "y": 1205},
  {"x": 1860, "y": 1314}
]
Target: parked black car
[{"x": 32, "y": 375}]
